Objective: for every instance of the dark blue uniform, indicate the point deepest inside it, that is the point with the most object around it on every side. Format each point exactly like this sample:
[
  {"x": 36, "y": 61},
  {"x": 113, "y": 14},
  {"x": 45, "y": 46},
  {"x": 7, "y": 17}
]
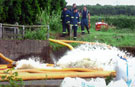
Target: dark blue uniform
[
  {"x": 84, "y": 21},
  {"x": 65, "y": 16},
  {"x": 74, "y": 22},
  {"x": 72, "y": 10}
]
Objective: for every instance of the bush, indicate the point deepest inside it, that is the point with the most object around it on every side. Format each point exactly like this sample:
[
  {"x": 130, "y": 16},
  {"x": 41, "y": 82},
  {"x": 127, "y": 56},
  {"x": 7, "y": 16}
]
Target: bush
[
  {"x": 26, "y": 11},
  {"x": 39, "y": 34},
  {"x": 120, "y": 22},
  {"x": 53, "y": 20}
]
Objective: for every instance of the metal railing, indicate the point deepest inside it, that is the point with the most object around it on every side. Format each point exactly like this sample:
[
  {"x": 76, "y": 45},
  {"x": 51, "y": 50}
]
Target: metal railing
[{"x": 14, "y": 30}]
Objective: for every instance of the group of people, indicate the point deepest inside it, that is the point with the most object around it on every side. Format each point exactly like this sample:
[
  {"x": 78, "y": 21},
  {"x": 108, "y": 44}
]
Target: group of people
[{"x": 71, "y": 20}]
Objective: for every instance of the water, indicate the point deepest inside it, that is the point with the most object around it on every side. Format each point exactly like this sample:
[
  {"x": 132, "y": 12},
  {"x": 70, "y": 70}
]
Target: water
[
  {"x": 96, "y": 56},
  {"x": 32, "y": 63},
  {"x": 35, "y": 63},
  {"x": 53, "y": 58},
  {"x": 92, "y": 56}
]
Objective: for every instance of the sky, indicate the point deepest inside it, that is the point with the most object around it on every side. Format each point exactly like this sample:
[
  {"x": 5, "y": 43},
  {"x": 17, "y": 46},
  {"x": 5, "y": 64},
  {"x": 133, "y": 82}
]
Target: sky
[{"x": 102, "y": 2}]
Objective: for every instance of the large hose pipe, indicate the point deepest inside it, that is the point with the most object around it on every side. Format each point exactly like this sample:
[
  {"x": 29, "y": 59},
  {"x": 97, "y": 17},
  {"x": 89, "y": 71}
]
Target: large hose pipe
[
  {"x": 6, "y": 59},
  {"x": 84, "y": 42},
  {"x": 51, "y": 70},
  {"x": 62, "y": 43},
  {"x": 11, "y": 62},
  {"x": 61, "y": 75}
]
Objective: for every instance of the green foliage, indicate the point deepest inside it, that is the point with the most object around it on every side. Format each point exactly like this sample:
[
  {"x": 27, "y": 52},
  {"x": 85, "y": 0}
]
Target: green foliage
[
  {"x": 39, "y": 34},
  {"x": 26, "y": 11},
  {"x": 55, "y": 46},
  {"x": 115, "y": 37},
  {"x": 120, "y": 22},
  {"x": 55, "y": 23},
  {"x": 12, "y": 79},
  {"x": 30, "y": 9},
  {"x": 22, "y": 11},
  {"x": 109, "y": 79},
  {"x": 53, "y": 20},
  {"x": 51, "y": 5},
  {"x": 44, "y": 18},
  {"x": 110, "y": 10},
  {"x": 13, "y": 11},
  {"x": 1, "y": 8}
]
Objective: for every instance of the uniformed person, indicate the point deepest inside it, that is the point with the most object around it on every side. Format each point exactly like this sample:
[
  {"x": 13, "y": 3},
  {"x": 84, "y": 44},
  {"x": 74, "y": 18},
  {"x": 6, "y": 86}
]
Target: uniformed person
[
  {"x": 73, "y": 7},
  {"x": 74, "y": 22},
  {"x": 85, "y": 19},
  {"x": 65, "y": 17}
]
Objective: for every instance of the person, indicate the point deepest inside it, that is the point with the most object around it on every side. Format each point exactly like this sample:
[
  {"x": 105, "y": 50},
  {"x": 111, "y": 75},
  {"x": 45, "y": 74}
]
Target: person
[
  {"x": 73, "y": 7},
  {"x": 85, "y": 19},
  {"x": 65, "y": 17},
  {"x": 74, "y": 22}
]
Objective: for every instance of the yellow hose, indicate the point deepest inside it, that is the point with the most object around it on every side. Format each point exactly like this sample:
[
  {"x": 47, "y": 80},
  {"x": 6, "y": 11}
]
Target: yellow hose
[
  {"x": 6, "y": 59},
  {"x": 3, "y": 67},
  {"x": 84, "y": 42},
  {"x": 52, "y": 70},
  {"x": 62, "y": 43},
  {"x": 65, "y": 70},
  {"x": 39, "y": 74},
  {"x": 61, "y": 75},
  {"x": 72, "y": 41}
]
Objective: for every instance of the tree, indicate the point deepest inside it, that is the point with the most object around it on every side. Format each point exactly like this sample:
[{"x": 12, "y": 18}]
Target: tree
[
  {"x": 26, "y": 11},
  {"x": 1, "y": 9},
  {"x": 30, "y": 9},
  {"x": 14, "y": 11}
]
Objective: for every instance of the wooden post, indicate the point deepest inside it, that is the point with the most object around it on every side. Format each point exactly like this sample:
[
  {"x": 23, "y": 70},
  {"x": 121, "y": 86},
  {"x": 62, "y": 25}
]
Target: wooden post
[
  {"x": 14, "y": 34},
  {"x": 17, "y": 30},
  {"x": 0, "y": 30},
  {"x": 48, "y": 35},
  {"x": 70, "y": 35},
  {"x": 23, "y": 31},
  {"x": 3, "y": 31}
]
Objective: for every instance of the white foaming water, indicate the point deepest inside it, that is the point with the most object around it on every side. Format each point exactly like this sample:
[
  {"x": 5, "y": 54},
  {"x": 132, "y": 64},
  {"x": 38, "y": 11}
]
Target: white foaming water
[
  {"x": 32, "y": 63},
  {"x": 95, "y": 56}
]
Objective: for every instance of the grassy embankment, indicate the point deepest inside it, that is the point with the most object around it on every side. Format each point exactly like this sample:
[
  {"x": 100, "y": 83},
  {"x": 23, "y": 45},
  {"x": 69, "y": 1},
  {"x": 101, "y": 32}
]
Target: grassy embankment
[{"x": 121, "y": 30}]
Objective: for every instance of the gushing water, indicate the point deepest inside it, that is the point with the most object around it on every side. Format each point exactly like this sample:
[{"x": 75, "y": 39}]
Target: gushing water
[
  {"x": 97, "y": 56},
  {"x": 32, "y": 63},
  {"x": 52, "y": 56},
  {"x": 92, "y": 56}
]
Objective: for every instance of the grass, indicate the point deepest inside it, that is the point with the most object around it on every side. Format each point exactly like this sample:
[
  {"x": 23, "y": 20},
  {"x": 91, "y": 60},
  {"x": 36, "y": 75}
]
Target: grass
[{"x": 113, "y": 37}]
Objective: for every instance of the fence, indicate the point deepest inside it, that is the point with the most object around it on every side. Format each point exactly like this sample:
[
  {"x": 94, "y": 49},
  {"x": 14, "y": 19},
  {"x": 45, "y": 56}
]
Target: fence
[{"x": 15, "y": 31}]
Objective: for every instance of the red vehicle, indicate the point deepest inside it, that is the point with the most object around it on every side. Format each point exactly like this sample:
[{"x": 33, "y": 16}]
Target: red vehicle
[{"x": 99, "y": 25}]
